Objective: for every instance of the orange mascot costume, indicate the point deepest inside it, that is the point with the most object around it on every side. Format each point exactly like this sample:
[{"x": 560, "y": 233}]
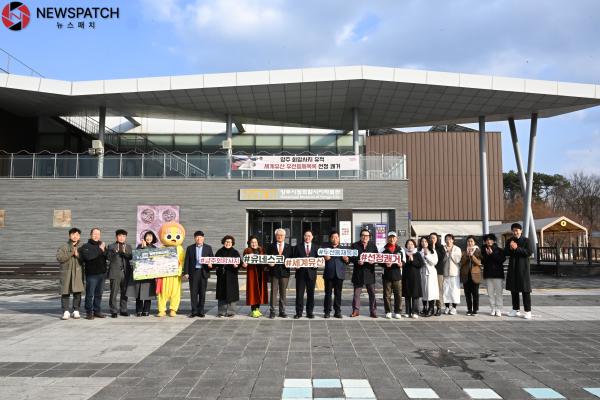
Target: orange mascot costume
[{"x": 168, "y": 288}]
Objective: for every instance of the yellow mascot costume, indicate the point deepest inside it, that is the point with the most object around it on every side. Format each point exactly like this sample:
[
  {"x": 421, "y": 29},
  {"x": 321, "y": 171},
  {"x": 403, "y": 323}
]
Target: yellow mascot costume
[{"x": 168, "y": 288}]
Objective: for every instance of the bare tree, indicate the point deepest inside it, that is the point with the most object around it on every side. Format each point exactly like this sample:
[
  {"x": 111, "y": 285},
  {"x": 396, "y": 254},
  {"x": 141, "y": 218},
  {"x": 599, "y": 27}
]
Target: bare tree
[{"x": 582, "y": 197}]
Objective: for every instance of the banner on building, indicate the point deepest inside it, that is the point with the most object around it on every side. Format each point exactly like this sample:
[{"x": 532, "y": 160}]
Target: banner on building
[
  {"x": 306, "y": 262},
  {"x": 151, "y": 218},
  {"x": 152, "y": 263},
  {"x": 295, "y": 163},
  {"x": 219, "y": 260},
  {"x": 292, "y": 194},
  {"x": 263, "y": 259},
  {"x": 379, "y": 258},
  {"x": 337, "y": 252}
]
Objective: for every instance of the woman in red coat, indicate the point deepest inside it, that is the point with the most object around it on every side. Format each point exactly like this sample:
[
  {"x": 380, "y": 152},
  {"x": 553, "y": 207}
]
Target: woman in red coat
[{"x": 256, "y": 279}]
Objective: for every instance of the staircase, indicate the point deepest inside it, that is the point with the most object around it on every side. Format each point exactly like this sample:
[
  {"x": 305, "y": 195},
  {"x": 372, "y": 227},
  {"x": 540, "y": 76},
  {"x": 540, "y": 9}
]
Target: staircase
[{"x": 172, "y": 163}]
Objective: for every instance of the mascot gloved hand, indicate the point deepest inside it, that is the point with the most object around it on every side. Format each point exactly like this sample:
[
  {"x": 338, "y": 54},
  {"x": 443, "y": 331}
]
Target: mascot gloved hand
[{"x": 168, "y": 288}]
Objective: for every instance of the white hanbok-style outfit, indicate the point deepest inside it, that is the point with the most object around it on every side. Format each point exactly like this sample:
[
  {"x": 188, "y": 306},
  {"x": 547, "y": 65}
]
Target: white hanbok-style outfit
[
  {"x": 429, "y": 280},
  {"x": 452, "y": 275}
]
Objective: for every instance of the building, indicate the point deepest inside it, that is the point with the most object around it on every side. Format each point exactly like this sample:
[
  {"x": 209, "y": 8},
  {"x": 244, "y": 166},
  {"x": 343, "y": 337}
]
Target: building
[
  {"x": 194, "y": 166},
  {"x": 443, "y": 171}
]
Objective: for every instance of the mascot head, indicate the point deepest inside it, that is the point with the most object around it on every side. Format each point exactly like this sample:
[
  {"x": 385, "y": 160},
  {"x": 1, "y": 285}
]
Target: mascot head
[{"x": 171, "y": 234}]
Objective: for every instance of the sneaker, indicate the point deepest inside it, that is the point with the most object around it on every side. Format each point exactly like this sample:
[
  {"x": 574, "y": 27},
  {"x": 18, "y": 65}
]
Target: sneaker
[
  {"x": 493, "y": 312},
  {"x": 469, "y": 313},
  {"x": 161, "y": 314},
  {"x": 76, "y": 315},
  {"x": 258, "y": 312},
  {"x": 453, "y": 311},
  {"x": 388, "y": 315},
  {"x": 255, "y": 314},
  {"x": 498, "y": 313},
  {"x": 396, "y": 316},
  {"x": 406, "y": 315},
  {"x": 446, "y": 310},
  {"x": 527, "y": 315},
  {"x": 172, "y": 313},
  {"x": 514, "y": 313},
  {"x": 414, "y": 316},
  {"x": 66, "y": 316}
]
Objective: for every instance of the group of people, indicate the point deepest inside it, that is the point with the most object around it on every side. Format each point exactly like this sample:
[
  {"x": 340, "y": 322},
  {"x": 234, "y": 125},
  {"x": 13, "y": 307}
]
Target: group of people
[{"x": 427, "y": 270}]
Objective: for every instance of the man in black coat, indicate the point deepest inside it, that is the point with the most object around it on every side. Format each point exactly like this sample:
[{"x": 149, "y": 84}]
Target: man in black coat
[
  {"x": 305, "y": 277},
  {"x": 518, "y": 249},
  {"x": 197, "y": 273},
  {"x": 363, "y": 275},
  {"x": 93, "y": 254},
  {"x": 278, "y": 273}
]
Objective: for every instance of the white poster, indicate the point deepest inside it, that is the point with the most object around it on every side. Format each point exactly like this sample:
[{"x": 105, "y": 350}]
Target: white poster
[{"x": 345, "y": 232}]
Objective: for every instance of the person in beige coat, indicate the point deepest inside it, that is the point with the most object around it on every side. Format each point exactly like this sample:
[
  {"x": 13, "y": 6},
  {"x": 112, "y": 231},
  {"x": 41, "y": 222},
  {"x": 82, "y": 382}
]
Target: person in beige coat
[
  {"x": 470, "y": 275},
  {"x": 71, "y": 274}
]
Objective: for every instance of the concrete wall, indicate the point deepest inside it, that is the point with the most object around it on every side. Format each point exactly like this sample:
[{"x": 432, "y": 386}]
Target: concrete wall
[{"x": 213, "y": 206}]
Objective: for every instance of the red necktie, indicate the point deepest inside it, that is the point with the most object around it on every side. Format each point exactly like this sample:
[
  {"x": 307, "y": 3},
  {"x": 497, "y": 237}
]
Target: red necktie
[{"x": 307, "y": 250}]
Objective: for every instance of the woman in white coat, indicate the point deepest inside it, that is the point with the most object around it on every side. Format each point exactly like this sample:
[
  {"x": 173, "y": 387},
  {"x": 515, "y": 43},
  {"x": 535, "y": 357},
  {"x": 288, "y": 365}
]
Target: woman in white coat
[
  {"x": 429, "y": 280},
  {"x": 451, "y": 275}
]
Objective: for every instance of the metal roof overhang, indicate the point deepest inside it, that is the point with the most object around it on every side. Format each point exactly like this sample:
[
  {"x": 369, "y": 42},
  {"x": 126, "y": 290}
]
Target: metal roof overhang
[{"x": 313, "y": 97}]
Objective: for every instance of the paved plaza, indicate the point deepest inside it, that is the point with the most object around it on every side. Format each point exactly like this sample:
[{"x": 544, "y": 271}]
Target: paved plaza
[{"x": 554, "y": 355}]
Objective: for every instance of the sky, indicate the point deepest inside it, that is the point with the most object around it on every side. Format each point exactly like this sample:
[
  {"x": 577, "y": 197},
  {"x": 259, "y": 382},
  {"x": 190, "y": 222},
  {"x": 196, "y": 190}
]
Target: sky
[{"x": 549, "y": 39}]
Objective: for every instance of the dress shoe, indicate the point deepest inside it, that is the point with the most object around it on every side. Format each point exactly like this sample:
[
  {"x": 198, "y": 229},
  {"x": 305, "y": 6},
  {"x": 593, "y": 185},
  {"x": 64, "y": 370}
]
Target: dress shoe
[
  {"x": 114, "y": 315},
  {"x": 354, "y": 314},
  {"x": 138, "y": 314},
  {"x": 310, "y": 316},
  {"x": 89, "y": 316},
  {"x": 145, "y": 314},
  {"x": 124, "y": 314},
  {"x": 271, "y": 315},
  {"x": 99, "y": 315},
  {"x": 297, "y": 316},
  {"x": 438, "y": 312},
  {"x": 192, "y": 315},
  {"x": 282, "y": 315},
  {"x": 373, "y": 315},
  {"x": 201, "y": 315},
  {"x": 338, "y": 315},
  {"x": 326, "y": 315},
  {"x": 230, "y": 315}
]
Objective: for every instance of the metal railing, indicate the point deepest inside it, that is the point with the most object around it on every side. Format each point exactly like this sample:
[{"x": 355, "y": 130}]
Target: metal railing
[
  {"x": 569, "y": 255},
  {"x": 182, "y": 165}
]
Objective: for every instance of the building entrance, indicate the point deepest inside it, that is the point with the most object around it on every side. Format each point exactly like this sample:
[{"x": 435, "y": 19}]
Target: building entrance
[{"x": 263, "y": 224}]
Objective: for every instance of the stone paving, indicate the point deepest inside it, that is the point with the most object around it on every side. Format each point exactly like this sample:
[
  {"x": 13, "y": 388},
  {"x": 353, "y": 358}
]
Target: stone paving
[{"x": 555, "y": 355}]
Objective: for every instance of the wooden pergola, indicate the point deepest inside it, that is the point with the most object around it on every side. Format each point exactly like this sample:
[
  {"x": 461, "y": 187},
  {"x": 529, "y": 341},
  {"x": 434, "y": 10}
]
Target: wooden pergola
[{"x": 554, "y": 231}]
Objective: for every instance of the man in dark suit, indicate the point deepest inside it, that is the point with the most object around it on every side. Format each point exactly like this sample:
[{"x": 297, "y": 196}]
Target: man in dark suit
[
  {"x": 333, "y": 275},
  {"x": 119, "y": 273},
  {"x": 278, "y": 273},
  {"x": 363, "y": 274},
  {"x": 197, "y": 273},
  {"x": 305, "y": 277}
]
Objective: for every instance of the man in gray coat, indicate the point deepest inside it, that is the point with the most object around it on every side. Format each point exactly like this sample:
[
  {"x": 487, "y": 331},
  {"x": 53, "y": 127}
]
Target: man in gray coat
[
  {"x": 71, "y": 274},
  {"x": 119, "y": 273}
]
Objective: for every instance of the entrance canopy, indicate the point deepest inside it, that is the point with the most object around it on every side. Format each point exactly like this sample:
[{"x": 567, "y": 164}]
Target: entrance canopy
[{"x": 312, "y": 97}]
